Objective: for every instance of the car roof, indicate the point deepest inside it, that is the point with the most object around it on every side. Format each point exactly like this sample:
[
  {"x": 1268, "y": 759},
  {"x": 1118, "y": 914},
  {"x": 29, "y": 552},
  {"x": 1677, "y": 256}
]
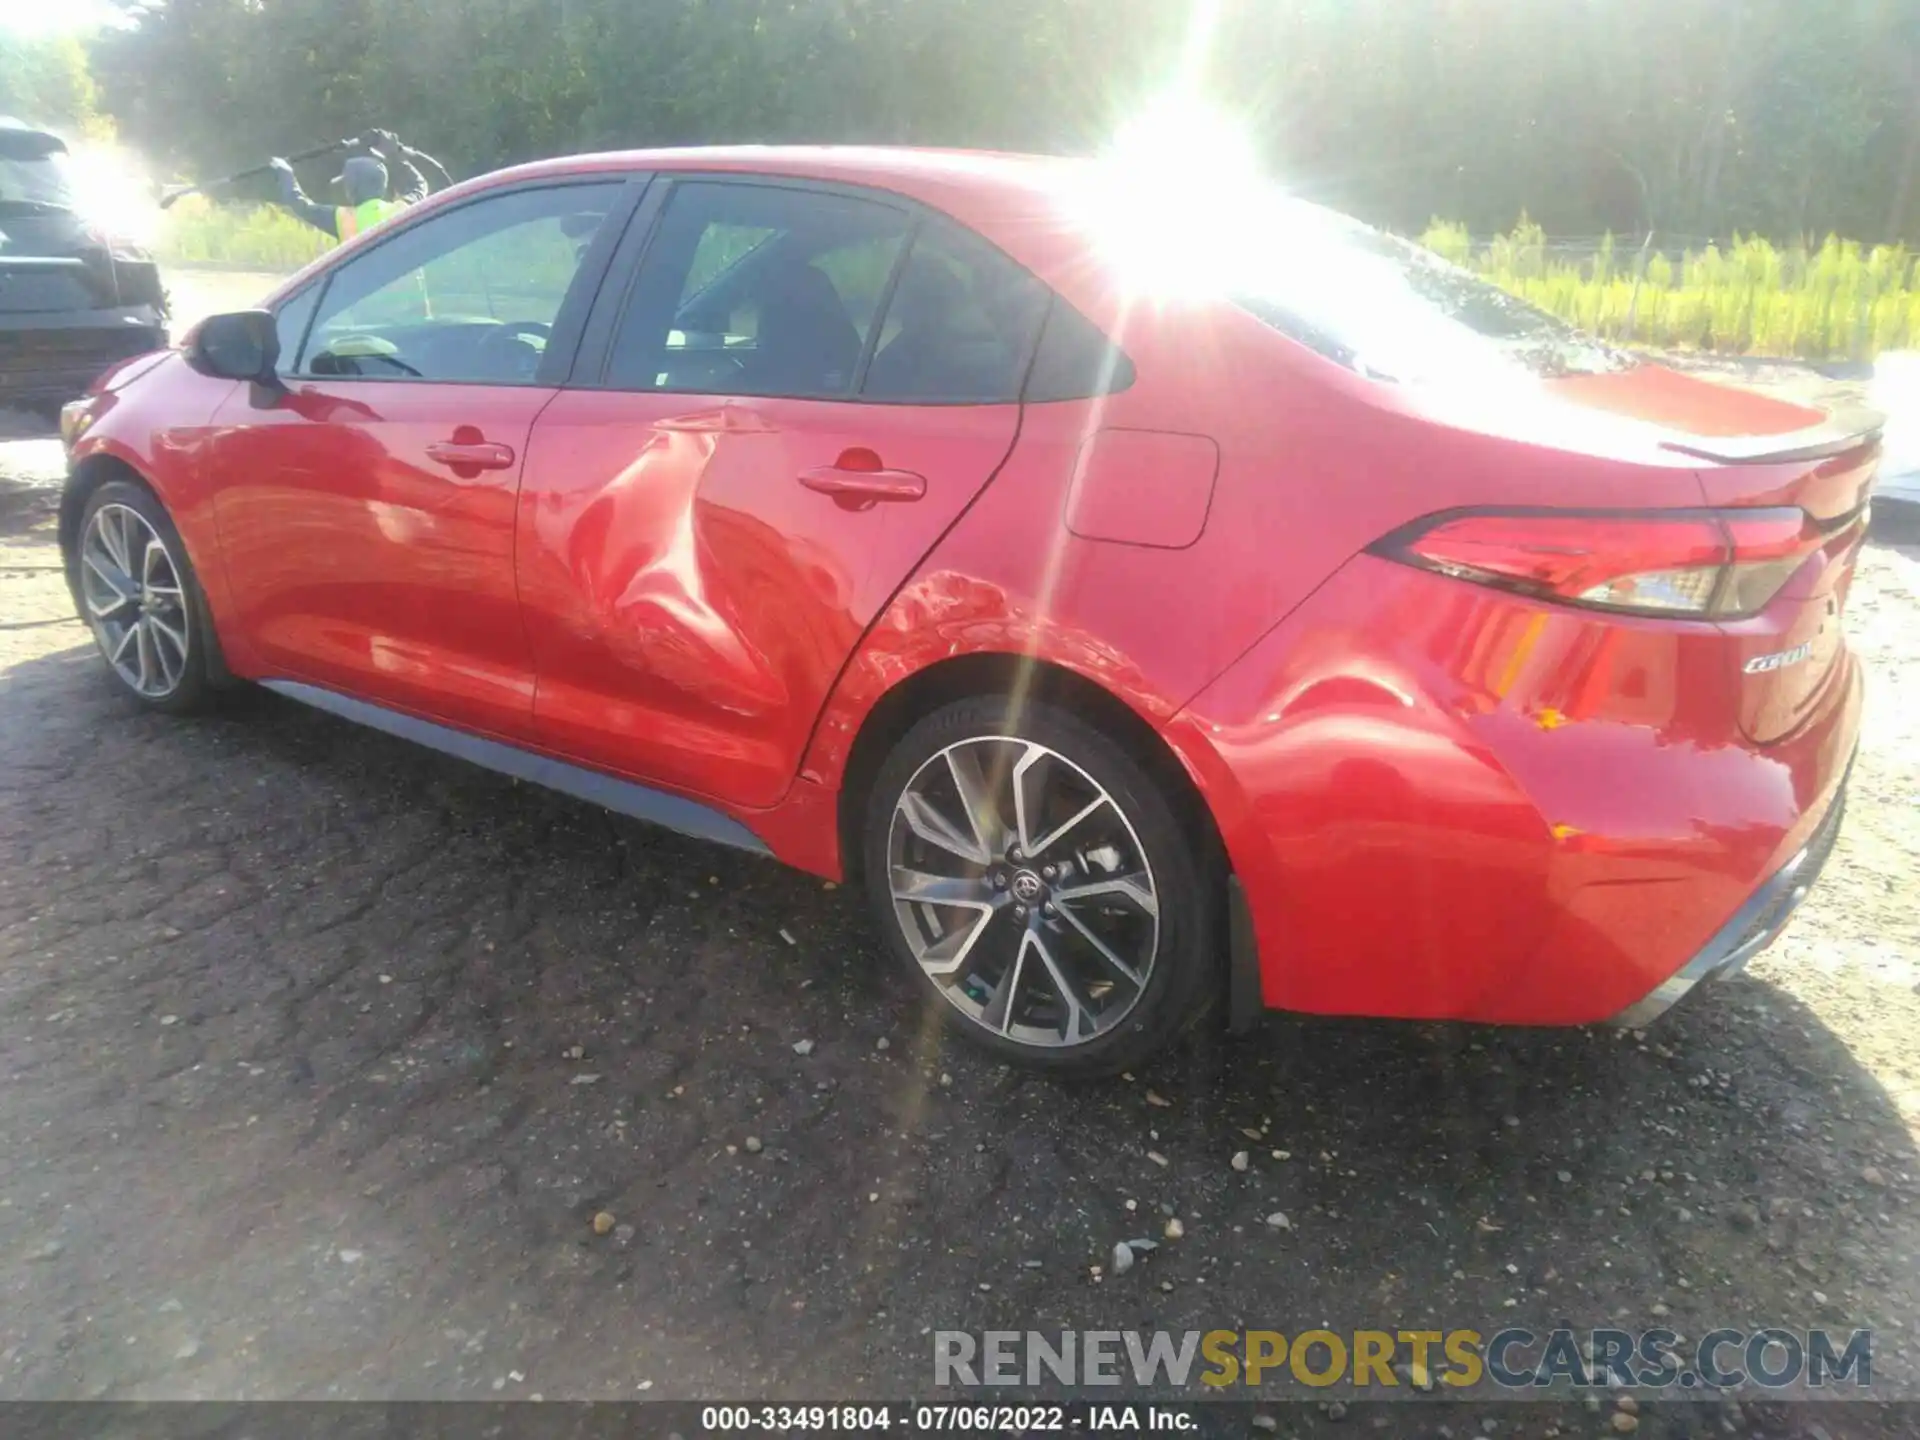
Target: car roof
[{"x": 933, "y": 175}]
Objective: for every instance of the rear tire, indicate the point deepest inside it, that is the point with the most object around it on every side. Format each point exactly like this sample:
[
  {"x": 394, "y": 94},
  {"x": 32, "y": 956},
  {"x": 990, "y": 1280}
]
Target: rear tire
[
  {"x": 141, "y": 599},
  {"x": 1038, "y": 884}
]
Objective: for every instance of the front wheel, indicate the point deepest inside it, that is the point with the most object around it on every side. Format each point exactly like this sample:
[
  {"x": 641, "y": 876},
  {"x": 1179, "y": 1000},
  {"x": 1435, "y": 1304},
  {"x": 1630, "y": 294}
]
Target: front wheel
[
  {"x": 142, "y": 600},
  {"x": 1038, "y": 883}
]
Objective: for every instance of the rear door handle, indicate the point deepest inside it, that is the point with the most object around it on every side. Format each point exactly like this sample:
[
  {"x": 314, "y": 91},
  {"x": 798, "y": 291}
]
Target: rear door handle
[
  {"x": 858, "y": 489},
  {"x": 471, "y": 455}
]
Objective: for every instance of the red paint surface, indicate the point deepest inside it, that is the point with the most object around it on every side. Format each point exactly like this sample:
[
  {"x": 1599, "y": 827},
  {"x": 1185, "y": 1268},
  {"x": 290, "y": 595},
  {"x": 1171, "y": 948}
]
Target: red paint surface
[
  {"x": 359, "y": 562},
  {"x": 1442, "y": 799},
  {"x": 691, "y": 595},
  {"x": 1143, "y": 487}
]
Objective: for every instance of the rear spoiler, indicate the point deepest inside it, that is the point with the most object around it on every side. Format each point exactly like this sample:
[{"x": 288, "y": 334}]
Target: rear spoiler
[{"x": 1841, "y": 431}]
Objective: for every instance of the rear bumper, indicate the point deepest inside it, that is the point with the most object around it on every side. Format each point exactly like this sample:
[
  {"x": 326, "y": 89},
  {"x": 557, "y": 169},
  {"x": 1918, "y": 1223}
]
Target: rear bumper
[
  {"x": 49, "y": 358},
  {"x": 1754, "y": 926},
  {"x": 1445, "y": 802}
]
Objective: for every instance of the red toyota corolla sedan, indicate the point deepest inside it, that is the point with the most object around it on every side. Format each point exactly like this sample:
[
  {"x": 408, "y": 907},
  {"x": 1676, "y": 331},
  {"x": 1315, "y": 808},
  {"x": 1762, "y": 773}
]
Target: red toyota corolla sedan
[{"x": 1159, "y": 600}]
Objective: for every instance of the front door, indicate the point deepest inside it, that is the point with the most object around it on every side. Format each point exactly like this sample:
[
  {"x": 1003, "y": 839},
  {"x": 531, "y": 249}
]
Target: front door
[
  {"x": 803, "y": 392},
  {"x": 367, "y": 515}
]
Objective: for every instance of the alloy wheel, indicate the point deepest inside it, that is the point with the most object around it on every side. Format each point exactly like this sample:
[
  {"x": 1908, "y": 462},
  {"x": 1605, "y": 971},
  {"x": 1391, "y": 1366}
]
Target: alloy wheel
[
  {"x": 1023, "y": 891},
  {"x": 136, "y": 604}
]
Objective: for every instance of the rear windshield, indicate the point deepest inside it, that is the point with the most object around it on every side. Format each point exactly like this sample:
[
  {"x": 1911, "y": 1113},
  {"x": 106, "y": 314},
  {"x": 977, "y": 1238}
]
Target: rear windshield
[
  {"x": 33, "y": 177},
  {"x": 1393, "y": 310}
]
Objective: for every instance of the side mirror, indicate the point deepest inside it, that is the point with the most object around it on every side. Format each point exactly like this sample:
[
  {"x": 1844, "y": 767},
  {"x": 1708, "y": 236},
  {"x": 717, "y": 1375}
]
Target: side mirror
[{"x": 244, "y": 345}]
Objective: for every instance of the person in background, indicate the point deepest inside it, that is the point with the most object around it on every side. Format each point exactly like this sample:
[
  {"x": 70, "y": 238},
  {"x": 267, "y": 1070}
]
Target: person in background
[{"x": 366, "y": 181}]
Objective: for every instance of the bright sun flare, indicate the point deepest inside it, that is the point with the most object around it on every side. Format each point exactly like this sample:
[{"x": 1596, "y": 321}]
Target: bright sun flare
[{"x": 1163, "y": 201}]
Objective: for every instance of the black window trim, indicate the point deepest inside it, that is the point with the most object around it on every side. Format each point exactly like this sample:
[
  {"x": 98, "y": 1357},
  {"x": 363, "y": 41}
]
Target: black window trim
[
  {"x": 589, "y": 371},
  {"x": 569, "y": 323}
]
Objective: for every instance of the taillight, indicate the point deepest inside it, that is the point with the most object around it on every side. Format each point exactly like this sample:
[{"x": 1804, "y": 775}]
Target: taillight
[{"x": 1715, "y": 564}]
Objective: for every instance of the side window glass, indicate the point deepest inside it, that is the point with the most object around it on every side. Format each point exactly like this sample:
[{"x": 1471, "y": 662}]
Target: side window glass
[
  {"x": 290, "y": 323},
  {"x": 470, "y": 295},
  {"x": 757, "y": 290},
  {"x": 961, "y": 325},
  {"x": 1075, "y": 360}
]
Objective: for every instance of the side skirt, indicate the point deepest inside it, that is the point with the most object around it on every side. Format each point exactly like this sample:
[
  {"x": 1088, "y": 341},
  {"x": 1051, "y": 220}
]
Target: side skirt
[{"x": 674, "y": 812}]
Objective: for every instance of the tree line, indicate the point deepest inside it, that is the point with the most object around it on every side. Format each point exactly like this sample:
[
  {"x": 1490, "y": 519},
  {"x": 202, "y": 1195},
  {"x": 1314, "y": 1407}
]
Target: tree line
[{"x": 1691, "y": 117}]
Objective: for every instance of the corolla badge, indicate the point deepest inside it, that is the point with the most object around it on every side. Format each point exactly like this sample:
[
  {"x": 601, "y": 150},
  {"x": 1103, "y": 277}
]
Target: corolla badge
[{"x": 1778, "y": 660}]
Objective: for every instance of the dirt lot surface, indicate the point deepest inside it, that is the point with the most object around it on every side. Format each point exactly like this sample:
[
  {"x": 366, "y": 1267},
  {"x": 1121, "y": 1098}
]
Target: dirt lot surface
[{"x": 320, "y": 1055}]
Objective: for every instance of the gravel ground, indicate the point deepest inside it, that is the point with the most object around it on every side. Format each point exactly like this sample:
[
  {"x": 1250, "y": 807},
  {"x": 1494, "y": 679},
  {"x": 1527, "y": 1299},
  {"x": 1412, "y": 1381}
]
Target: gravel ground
[{"x": 321, "y": 1055}]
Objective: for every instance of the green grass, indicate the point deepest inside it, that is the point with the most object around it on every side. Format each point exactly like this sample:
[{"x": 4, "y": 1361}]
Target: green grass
[
  {"x": 246, "y": 237},
  {"x": 1834, "y": 300}
]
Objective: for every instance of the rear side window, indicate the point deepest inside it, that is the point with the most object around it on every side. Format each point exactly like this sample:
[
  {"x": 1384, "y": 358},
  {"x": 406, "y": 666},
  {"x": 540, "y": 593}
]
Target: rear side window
[
  {"x": 1075, "y": 360},
  {"x": 960, "y": 327},
  {"x": 757, "y": 290}
]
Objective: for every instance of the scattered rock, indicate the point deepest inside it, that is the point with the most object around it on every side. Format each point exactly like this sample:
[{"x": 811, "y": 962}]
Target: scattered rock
[
  {"x": 1283, "y": 1154},
  {"x": 1744, "y": 1216},
  {"x": 623, "y": 1234},
  {"x": 1279, "y": 1221},
  {"x": 1265, "y": 1422},
  {"x": 1154, "y": 1097},
  {"x": 588, "y": 1079},
  {"x": 52, "y": 1250},
  {"x": 753, "y": 1144},
  {"x": 786, "y": 936},
  {"x": 189, "y": 1349},
  {"x": 1628, "y": 1404},
  {"x": 602, "y": 1222},
  {"x": 1624, "y": 1423},
  {"x": 882, "y": 1043},
  {"x": 1240, "y": 1160},
  {"x": 1175, "y": 1230},
  {"x": 169, "y": 1019},
  {"x": 803, "y": 1047},
  {"x": 1872, "y": 1176},
  {"x": 1158, "y": 1159},
  {"x": 946, "y": 1080},
  {"x": 352, "y": 1257},
  {"x": 1122, "y": 1258}
]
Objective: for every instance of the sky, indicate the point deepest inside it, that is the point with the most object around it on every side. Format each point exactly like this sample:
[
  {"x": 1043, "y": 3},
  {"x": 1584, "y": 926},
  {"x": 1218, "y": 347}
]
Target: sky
[{"x": 39, "y": 17}]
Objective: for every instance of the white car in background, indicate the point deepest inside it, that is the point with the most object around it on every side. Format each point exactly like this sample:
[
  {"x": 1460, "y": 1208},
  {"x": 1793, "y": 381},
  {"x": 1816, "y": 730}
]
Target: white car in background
[{"x": 1896, "y": 392}]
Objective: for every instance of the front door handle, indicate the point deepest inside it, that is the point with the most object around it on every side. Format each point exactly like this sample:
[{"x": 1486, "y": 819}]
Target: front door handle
[
  {"x": 858, "y": 480},
  {"x": 471, "y": 454}
]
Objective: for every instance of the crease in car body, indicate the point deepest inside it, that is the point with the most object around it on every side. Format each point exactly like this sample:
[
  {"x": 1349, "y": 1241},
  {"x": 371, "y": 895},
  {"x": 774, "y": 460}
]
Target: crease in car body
[{"x": 790, "y": 484}]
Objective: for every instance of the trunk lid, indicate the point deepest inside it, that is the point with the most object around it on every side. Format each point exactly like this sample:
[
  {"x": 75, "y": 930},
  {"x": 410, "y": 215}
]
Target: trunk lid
[
  {"x": 1790, "y": 656},
  {"x": 1756, "y": 452}
]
